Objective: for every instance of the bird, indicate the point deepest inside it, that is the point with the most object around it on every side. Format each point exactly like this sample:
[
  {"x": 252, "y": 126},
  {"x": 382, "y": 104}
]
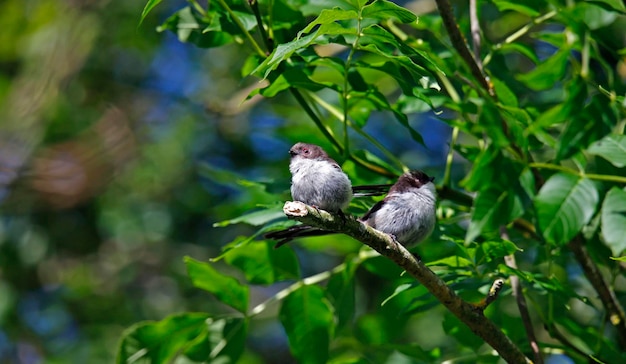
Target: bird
[
  {"x": 317, "y": 180},
  {"x": 408, "y": 213}
]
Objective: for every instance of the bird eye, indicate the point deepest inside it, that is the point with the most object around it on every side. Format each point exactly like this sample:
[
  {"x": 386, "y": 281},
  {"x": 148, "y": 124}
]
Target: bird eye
[{"x": 305, "y": 150}]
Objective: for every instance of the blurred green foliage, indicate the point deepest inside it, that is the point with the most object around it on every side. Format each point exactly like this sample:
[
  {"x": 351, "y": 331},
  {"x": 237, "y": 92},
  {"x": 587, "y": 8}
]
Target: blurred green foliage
[{"x": 124, "y": 150}]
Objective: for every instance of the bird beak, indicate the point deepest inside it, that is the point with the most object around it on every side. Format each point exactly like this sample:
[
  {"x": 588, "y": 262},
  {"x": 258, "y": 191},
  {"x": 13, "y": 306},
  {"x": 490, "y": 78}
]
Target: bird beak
[{"x": 432, "y": 179}]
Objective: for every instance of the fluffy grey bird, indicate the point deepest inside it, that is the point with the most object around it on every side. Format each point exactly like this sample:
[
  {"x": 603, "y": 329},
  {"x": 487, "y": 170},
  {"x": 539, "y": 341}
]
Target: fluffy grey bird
[
  {"x": 317, "y": 180},
  {"x": 408, "y": 210}
]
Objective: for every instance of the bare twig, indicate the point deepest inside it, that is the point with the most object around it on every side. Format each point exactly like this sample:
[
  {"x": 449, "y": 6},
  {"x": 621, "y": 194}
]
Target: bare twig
[
  {"x": 459, "y": 43},
  {"x": 555, "y": 333},
  {"x": 492, "y": 295},
  {"x": 475, "y": 28},
  {"x": 385, "y": 245},
  {"x": 607, "y": 296},
  {"x": 509, "y": 260},
  {"x": 269, "y": 43}
]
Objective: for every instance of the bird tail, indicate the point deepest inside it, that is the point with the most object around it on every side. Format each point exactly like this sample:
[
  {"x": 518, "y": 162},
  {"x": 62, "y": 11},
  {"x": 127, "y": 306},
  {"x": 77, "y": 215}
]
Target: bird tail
[{"x": 284, "y": 236}]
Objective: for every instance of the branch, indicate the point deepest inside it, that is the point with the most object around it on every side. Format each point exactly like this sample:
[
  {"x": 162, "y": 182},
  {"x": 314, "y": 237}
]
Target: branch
[
  {"x": 492, "y": 295},
  {"x": 384, "y": 244},
  {"x": 522, "y": 306},
  {"x": 475, "y": 28},
  {"x": 459, "y": 43},
  {"x": 607, "y": 296}
]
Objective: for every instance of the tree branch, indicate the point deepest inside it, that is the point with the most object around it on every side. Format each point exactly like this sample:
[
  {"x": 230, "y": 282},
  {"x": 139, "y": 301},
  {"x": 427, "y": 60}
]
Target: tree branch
[
  {"x": 607, "y": 296},
  {"x": 475, "y": 28},
  {"x": 384, "y": 244},
  {"x": 523, "y": 309},
  {"x": 459, "y": 43}
]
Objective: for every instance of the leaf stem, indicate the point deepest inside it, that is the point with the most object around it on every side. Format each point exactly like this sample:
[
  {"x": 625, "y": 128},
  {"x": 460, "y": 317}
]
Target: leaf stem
[
  {"x": 243, "y": 29},
  {"x": 593, "y": 176},
  {"x": 450, "y": 158},
  {"x": 254, "y": 5},
  {"x": 518, "y": 34},
  {"x": 197, "y": 6},
  {"x": 335, "y": 112},
  {"x": 345, "y": 94},
  {"x": 314, "y": 279}
]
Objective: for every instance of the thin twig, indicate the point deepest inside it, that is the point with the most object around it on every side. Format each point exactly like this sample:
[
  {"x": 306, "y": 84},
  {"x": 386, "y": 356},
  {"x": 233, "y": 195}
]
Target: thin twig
[
  {"x": 254, "y": 5},
  {"x": 492, "y": 295},
  {"x": 597, "y": 177},
  {"x": 509, "y": 260},
  {"x": 615, "y": 312},
  {"x": 475, "y": 29},
  {"x": 555, "y": 333},
  {"x": 459, "y": 43}
]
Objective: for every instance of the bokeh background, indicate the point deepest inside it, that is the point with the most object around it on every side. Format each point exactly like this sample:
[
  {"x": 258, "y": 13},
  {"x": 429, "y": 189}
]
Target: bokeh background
[{"x": 120, "y": 147}]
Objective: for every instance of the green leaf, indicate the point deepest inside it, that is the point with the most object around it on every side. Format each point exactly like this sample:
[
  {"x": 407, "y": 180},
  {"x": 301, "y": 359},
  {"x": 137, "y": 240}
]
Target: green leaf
[
  {"x": 383, "y": 267},
  {"x": 614, "y": 220},
  {"x": 523, "y": 49},
  {"x": 372, "y": 158},
  {"x": 283, "y": 52},
  {"x": 520, "y": 7},
  {"x": 505, "y": 95},
  {"x": 256, "y": 218},
  {"x": 190, "y": 28},
  {"x": 383, "y": 10},
  {"x": 564, "y": 205},
  {"x": 612, "y": 148},
  {"x": 149, "y": 6},
  {"x": 330, "y": 16},
  {"x": 456, "y": 329},
  {"x": 492, "y": 208},
  {"x": 594, "y": 122},
  {"x": 292, "y": 77},
  {"x": 308, "y": 320},
  {"x": 195, "y": 335},
  {"x": 340, "y": 290},
  {"x": 262, "y": 264},
  {"x": 227, "y": 289},
  {"x": 163, "y": 341},
  {"x": 615, "y": 5},
  {"x": 547, "y": 73},
  {"x": 491, "y": 124},
  {"x": 497, "y": 249},
  {"x": 542, "y": 283},
  {"x": 594, "y": 15}
]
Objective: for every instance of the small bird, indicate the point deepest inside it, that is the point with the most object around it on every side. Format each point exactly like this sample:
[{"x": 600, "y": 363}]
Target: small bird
[
  {"x": 317, "y": 180},
  {"x": 407, "y": 213}
]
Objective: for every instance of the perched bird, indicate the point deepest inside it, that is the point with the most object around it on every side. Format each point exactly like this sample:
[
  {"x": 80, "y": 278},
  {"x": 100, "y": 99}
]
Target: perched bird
[
  {"x": 407, "y": 213},
  {"x": 317, "y": 180},
  {"x": 408, "y": 210}
]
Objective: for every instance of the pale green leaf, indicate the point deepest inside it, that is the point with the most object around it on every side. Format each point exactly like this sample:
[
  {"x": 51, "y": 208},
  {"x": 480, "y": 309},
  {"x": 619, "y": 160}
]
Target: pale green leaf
[
  {"x": 548, "y": 73},
  {"x": 383, "y": 10},
  {"x": 518, "y": 6},
  {"x": 197, "y": 336},
  {"x": 564, "y": 205},
  {"x": 612, "y": 148},
  {"x": 308, "y": 320},
  {"x": 262, "y": 264},
  {"x": 614, "y": 220},
  {"x": 227, "y": 289},
  {"x": 255, "y": 218},
  {"x": 149, "y": 6}
]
